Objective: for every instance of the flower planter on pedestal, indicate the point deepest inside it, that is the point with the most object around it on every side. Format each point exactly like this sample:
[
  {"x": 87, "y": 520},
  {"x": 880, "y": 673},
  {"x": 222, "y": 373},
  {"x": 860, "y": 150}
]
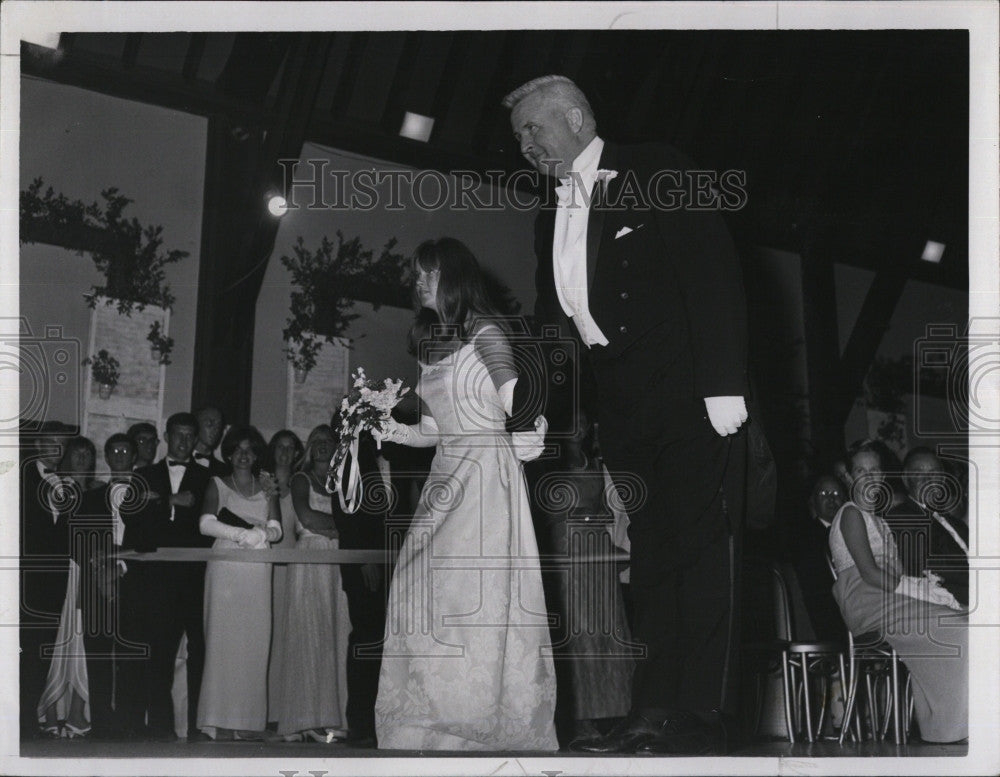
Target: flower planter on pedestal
[
  {"x": 300, "y": 376},
  {"x": 104, "y": 390},
  {"x": 155, "y": 353}
]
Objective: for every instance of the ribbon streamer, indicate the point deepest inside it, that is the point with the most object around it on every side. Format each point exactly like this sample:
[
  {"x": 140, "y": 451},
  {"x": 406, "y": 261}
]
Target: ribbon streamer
[{"x": 351, "y": 501}]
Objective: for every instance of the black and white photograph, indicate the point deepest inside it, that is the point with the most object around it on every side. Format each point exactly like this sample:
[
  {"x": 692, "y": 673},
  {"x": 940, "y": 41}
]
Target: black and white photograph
[{"x": 520, "y": 388}]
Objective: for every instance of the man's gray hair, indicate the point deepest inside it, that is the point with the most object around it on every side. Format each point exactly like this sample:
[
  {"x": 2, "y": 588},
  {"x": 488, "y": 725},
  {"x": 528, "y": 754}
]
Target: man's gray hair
[{"x": 559, "y": 88}]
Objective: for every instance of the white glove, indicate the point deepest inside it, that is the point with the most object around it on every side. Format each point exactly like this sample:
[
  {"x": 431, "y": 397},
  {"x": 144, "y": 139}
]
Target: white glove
[
  {"x": 726, "y": 414},
  {"x": 423, "y": 435},
  {"x": 255, "y": 538},
  {"x": 927, "y": 590},
  {"x": 392, "y": 431},
  {"x": 528, "y": 446}
]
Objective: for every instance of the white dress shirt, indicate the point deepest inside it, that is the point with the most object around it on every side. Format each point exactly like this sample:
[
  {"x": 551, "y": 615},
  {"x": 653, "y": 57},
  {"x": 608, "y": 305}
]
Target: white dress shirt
[
  {"x": 569, "y": 243},
  {"x": 176, "y": 476}
]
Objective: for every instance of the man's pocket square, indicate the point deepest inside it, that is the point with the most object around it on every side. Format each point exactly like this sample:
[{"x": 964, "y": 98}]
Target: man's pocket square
[{"x": 625, "y": 230}]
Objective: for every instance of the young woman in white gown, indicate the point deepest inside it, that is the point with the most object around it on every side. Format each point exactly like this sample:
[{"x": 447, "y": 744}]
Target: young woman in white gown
[
  {"x": 467, "y": 659},
  {"x": 240, "y": 515}
]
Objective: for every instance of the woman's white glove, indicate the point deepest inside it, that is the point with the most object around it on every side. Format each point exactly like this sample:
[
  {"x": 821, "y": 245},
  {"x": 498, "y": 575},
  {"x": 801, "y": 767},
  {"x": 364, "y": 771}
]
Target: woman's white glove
[
  {"x": 423, "y": 435},
  {"x": 254, "y": 538},
  {"x": 528, "y": 446},
  {"x": 393, "y": 431},
  {"x": 926, "y": 589}
]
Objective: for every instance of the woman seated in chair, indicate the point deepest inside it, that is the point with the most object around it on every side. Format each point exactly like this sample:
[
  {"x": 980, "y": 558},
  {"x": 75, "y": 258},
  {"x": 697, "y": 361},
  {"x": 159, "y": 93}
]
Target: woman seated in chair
[{"x": 915, "y": 615}]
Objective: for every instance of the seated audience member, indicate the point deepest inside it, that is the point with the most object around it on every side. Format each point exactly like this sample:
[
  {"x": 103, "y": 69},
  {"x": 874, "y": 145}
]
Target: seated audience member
[
  {"x": 810, "y": 552},
  {"x": 211, "y": 424},
  {"x": 919, "y": 618},
  {"x": 927, "y": 533},
  {"x": 44, "y": 568},
  {"x": 146, "y": 440}
]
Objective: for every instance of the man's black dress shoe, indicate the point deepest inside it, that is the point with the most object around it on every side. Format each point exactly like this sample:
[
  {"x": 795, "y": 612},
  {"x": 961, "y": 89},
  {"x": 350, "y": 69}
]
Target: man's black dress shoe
[
  {"x": 626, "y": 737},
  {"x": 687, "y": 734}
]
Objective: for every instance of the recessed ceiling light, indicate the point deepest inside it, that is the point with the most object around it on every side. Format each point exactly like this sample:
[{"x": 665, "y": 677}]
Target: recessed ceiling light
[
  {"x": 933, "y": 252},
  {"x": 417, "y": 127}
]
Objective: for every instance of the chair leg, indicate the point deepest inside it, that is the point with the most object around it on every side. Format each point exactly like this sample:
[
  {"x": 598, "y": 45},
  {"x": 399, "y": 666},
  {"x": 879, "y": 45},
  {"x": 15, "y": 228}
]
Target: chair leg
[
  {"x": 824, "y": 702},
  {"x": 852, "y": 692},
  {"x": 897, "y": 701},
  {"x": 872, "y": 709},
  {"x": 806, "y": 701},
  {"x": 789, "y": 690}
]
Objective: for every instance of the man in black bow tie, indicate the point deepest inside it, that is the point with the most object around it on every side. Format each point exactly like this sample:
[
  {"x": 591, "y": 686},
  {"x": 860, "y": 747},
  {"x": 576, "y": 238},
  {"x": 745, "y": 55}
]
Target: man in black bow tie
[
  {"x": 928, "y": 533},
  {"x": 176, "y": 590},
  {"x": 112, "y": 599},
  {"x": 635, "y": 262},
  {"x": 210, "y": 426}
]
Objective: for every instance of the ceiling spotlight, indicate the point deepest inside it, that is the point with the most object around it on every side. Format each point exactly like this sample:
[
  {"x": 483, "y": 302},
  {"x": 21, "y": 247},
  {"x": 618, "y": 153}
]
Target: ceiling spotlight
[
  {"x": 277, "y": 206},
  {"x": 417, "y": 127},
  {"x": 933, "y": 252}
]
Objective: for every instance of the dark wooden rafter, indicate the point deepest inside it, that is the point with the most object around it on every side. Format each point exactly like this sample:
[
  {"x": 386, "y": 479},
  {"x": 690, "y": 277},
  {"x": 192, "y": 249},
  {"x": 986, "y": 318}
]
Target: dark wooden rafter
[
  {"x": 866, "y": 336},
  {"x": 238, "y": 233},
  {"x": 193, "y": 57}
]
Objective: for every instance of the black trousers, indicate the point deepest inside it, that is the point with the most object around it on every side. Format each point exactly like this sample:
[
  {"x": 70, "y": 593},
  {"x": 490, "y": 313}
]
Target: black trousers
[
  {"x": 132, "y": 650},
  {"x": 175, "y": 607},
  {"x": 682, "y": 485},
  {"x": 364, "y": 656}
]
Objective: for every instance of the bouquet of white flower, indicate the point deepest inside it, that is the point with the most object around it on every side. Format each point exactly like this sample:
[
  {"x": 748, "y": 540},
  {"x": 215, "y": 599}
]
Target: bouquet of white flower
[{"x": 365, "y": 408}]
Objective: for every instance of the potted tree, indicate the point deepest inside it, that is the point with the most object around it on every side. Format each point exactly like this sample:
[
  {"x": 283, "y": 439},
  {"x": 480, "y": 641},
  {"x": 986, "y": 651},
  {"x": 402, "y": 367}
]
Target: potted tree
[{"x": 104, "y": 371}]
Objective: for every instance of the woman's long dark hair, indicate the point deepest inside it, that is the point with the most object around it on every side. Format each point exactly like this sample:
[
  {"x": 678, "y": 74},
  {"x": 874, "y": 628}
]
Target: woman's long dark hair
[{"x": 461, "y": 294}]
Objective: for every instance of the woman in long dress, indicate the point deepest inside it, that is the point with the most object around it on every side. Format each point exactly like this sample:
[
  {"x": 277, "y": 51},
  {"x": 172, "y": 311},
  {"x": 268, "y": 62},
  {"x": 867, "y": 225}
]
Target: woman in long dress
[
  {"x": 240, "y": 514},
  {"x": 312, "y": 700},
  {"x": 467, "y": 659},
  {"x": 67, "y": 694},
  {"x": 918, "y": 617},
  {"x": 284, "y": 454}
]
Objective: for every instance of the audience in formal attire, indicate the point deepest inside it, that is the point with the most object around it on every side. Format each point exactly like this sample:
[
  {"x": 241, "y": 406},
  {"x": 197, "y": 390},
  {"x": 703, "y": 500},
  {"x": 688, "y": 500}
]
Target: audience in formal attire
[
  {"x": 175, "y": 591},
  {"x": 365, "y": 587},
  {"x": 239, "y": 512},
  {"x": 926, "y": 528},
  {"x": 312, "y": 700},
  {"x": 97, "y": 530},
  {"x": 283, "y": 454},
  {"x": 146, "y": 440},
  {"x": 307, "y": 657},
  {"x": 64, "y": 697},
  {"x": 810, "y": 553},
  {"x": 920, "y": 619},
  {"x": 44, "y": 562},
  {"x": 211, "y": 424}
]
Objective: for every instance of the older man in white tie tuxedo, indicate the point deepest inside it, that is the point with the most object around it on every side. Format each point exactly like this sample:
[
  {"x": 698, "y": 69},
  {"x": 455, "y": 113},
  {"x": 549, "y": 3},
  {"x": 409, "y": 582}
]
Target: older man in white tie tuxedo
[{"x": 651, "y": 284}]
